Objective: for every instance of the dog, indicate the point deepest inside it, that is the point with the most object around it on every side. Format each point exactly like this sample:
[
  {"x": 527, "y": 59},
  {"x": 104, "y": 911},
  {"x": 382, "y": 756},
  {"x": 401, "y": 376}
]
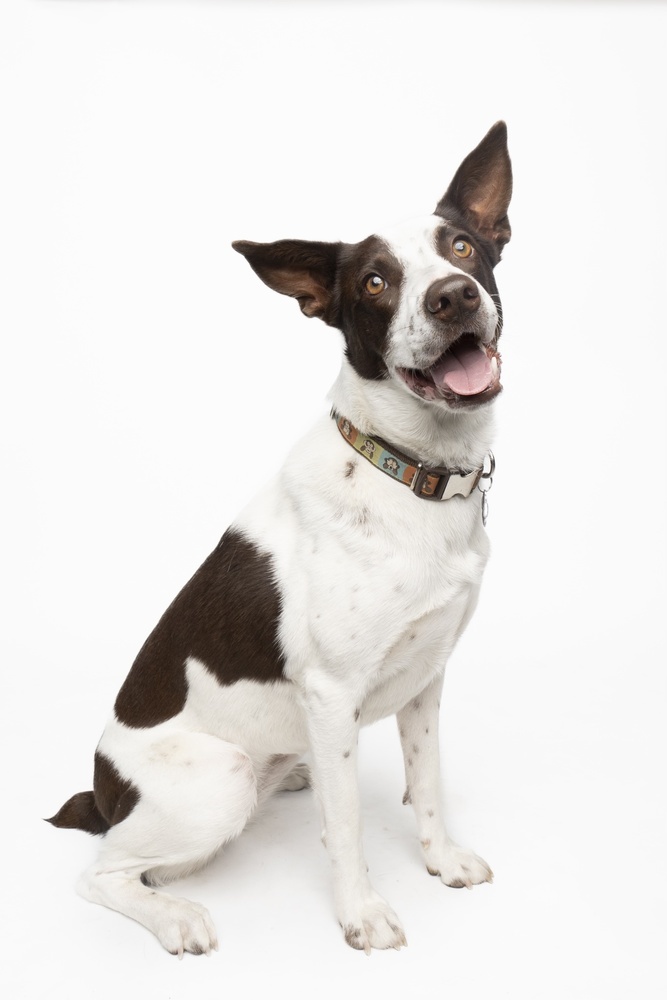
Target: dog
[{"x": 336, "y": 597}]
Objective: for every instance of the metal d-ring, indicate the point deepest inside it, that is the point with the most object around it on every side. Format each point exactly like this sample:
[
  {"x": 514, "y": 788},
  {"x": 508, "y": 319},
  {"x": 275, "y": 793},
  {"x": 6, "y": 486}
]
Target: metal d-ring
[
  {"x": 492, "y": 468},
  {"x": 487, "y": 479}
]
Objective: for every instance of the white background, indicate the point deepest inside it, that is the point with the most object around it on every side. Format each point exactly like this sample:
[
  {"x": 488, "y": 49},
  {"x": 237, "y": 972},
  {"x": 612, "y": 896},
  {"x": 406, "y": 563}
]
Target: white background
[{"x": 150, "y": 384}]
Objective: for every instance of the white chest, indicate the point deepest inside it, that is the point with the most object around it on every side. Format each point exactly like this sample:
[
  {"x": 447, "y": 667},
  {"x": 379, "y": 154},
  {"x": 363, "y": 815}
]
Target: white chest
[{"x": 376, "y": 584}]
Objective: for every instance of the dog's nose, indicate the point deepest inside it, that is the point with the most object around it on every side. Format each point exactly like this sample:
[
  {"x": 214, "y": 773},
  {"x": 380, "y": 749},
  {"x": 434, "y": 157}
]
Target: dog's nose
[{"x": 452, "y": 298}]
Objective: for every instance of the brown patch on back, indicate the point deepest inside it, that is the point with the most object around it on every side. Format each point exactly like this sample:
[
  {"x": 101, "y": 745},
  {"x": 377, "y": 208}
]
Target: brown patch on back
[{"x": 226, "y": 617}]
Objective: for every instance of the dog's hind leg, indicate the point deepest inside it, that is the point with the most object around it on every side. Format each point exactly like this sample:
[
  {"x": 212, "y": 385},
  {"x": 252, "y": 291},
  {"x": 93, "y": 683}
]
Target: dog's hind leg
[
  {"x": 418, "y": 730},
  {"x": 195, "y": 793},
  {"x": 298, "y": 778},
  {"x": 281, "y": 773}
]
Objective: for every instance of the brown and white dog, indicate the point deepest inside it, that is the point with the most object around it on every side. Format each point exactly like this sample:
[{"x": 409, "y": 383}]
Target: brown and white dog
[{"x": 337, "y": 596}]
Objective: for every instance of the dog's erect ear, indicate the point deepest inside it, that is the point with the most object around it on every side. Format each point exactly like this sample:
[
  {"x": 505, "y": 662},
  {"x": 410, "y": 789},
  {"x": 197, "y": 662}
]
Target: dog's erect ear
[
  {"x": 300, "y": 268},
  {"x": 482, "y": 186}
]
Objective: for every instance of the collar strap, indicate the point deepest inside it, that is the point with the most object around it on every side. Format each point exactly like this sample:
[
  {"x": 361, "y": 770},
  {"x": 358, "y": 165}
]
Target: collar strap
[{"x": 427, "y": 482}]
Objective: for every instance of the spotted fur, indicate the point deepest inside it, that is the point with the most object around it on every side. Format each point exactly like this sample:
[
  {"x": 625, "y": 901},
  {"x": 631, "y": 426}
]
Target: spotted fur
[{"x": 332, "y": 601}]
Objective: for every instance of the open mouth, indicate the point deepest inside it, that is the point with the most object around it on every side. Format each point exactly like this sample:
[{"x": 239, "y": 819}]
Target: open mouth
[{"x": 467, "y": 374}]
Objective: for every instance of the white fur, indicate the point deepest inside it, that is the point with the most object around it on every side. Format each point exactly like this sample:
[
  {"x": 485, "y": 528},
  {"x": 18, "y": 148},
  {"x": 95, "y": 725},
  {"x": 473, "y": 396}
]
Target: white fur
[
  {"x": 377, "y": 586},
  {"x": 412, "y": 340}
]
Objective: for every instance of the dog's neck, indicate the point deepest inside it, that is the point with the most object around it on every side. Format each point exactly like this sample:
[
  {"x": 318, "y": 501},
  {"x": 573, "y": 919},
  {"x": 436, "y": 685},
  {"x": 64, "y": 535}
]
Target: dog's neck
[{"x": 429, "y": 433}]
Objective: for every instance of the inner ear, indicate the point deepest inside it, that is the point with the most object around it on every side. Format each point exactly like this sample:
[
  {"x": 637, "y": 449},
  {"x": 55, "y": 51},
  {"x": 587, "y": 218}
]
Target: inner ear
[
  {"x": 482, "y": 186},
  {"x": 302, "y": 269},
  {"x": 312, "y": 295}
]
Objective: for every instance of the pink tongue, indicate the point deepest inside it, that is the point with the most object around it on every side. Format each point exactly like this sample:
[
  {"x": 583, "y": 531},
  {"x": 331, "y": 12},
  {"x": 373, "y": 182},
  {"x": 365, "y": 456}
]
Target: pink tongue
[{"x": 465, "y": 369}]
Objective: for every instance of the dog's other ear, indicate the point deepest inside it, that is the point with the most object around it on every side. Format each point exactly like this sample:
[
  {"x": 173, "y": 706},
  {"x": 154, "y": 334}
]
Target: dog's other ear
[
  {"x": 482, "y": 186},
  {"x": 300, "y": 268}
]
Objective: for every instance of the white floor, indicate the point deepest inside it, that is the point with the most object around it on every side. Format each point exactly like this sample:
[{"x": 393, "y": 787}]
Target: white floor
[{"x": 143, "y": 358}]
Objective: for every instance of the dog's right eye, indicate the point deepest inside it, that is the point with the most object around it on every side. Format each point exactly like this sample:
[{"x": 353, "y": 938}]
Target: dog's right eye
[{"x": 374, "y": 284}]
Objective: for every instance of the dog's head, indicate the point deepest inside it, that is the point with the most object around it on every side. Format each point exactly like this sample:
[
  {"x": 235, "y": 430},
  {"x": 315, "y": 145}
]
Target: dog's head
[{"x": 418, "y": 304}]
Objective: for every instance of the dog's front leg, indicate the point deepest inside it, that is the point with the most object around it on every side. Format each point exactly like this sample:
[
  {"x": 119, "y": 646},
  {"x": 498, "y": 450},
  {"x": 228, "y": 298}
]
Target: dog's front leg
[
  {"x": 333, "y": 722},
  {"x": 418, "y": 729}
]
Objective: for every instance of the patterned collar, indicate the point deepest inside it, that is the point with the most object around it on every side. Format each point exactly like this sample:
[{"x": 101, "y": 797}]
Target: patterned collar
[{"x": 427, "y": 482}]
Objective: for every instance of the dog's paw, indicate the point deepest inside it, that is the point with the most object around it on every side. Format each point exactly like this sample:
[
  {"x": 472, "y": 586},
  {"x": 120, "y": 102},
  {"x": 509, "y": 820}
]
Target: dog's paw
[
  {"x": 456, "y": 866},
  {"x": 374, "y": 925},
  {"x": 184, "y": 926},
  {"x": 298, "y": 778}
]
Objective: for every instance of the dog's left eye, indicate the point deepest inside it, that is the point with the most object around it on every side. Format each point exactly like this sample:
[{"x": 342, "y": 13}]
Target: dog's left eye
[
  {"x": 461, "y": 248},
  {"x": 374, "y": 284}
]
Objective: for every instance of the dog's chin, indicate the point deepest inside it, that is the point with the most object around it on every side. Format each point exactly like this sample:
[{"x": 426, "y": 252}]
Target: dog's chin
[{"x": 456, "y": 393}]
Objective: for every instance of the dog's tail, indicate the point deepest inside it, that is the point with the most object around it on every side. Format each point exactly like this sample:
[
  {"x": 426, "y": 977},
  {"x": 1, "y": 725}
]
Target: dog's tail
[{"x": 80, "y": 813}]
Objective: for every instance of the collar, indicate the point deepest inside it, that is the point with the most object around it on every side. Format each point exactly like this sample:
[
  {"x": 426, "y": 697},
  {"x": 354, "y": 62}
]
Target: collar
[{"x": 426, "y": 482}]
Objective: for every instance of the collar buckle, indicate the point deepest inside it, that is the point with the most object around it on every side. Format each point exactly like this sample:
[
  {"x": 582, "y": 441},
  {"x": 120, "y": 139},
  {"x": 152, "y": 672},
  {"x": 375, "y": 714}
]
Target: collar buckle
[
  {"x": 443, "y": 484},
  {"x": 426, "y": 482}
]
